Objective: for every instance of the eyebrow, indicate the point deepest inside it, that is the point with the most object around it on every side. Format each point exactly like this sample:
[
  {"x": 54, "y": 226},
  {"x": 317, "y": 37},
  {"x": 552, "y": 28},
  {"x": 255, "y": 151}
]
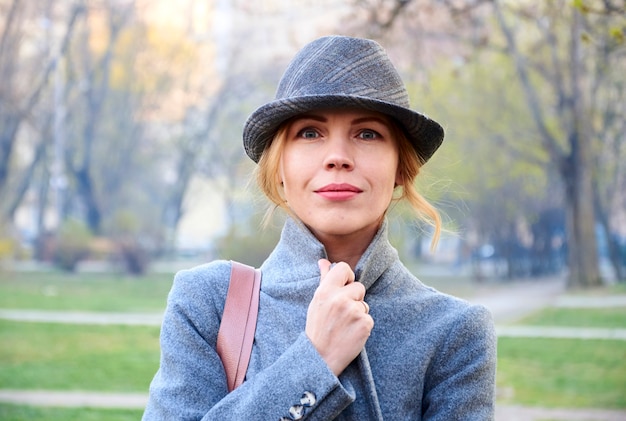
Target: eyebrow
[
  {"x": 367, "y": 119},
  {"x": 359, "y": 120}
]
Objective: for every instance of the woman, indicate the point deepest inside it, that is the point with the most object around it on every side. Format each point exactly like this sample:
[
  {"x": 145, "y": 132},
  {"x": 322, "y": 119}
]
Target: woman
[{"x": 344, "y": 330}]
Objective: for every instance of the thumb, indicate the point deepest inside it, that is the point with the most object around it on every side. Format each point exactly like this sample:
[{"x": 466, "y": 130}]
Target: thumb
[
  {"x": 341, "y": 274},
  {"x": 324, "y": 266}
]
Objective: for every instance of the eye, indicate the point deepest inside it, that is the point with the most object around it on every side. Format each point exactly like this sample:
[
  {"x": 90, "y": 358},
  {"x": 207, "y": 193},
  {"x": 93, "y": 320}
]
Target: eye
[
  {"x": 368, "y": 134},
  {"x": 308, "y": 133}
]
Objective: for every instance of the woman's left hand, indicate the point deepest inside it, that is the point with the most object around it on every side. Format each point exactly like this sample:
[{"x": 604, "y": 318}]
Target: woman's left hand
[{"x": 338, "y": 321}]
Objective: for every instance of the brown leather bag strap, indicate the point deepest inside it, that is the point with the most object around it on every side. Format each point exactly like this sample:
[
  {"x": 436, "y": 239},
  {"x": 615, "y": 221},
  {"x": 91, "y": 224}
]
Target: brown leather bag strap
[{"x": 236, "y": 333}]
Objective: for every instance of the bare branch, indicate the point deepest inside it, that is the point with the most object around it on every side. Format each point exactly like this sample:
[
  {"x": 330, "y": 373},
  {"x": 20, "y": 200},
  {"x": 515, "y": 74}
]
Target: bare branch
[
  {"x": 549, "y": 141},
  {"x": 77, "y": 10},
  {"x": 10, "y": 19}
]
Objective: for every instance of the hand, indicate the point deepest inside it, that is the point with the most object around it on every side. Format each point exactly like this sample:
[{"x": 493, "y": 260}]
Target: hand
[{"x": 338, "y": 321}]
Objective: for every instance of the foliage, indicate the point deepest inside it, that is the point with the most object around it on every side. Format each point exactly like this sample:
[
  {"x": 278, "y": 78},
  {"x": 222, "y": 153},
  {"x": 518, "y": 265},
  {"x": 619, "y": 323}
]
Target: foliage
[
  {"x": 489, "y": 151},
  {"x": 542, "y": 115},
  {"x": 133, "y": 256},
  {"x": 130, "y": 234},
  {"x": 138, "y": 104},
  {"x": 249, "y": 248},
  {"x": 7, "y": 246},
  {"x": 71, "y": 244}
]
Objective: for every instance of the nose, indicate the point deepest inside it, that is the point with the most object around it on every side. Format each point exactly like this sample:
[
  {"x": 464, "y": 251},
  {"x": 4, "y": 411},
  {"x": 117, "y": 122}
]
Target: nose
[{"x": 338, "y": 155}]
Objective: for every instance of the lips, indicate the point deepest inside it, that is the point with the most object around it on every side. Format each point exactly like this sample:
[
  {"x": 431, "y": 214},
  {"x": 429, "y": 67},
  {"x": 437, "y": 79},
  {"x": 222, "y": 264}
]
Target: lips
[
  {"x": 339, "y": 187},
  {"x": 342, "y": 191}
]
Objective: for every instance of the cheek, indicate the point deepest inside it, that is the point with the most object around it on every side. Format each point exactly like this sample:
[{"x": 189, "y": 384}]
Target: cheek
[
  {"x": 286, "y": 168},
  {"x": 394, "y": 176},
  {"x": 287, "y": 174},
  {"x": 294, "y": 167}
]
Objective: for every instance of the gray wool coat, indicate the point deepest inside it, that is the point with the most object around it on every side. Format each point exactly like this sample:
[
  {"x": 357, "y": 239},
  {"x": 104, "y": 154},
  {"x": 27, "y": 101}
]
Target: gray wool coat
[{"x": 430, "y": 356}]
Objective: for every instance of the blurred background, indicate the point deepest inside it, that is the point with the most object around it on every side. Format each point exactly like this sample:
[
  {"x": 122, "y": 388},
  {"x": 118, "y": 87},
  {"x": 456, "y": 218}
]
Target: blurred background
[
  {"x": 120, "y": 127},
  {"x": 121, "y": 161}
]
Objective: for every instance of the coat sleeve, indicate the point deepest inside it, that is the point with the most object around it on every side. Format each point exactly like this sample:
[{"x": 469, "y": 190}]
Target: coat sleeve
[
  {"x": 190, "y": 383},
  {"x": 460, "y": 383}
]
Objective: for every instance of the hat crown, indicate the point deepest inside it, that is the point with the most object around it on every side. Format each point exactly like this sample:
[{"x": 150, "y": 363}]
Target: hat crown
[
  {"x": 338, "y": 72},
  {"x": 338, "y": 65}
]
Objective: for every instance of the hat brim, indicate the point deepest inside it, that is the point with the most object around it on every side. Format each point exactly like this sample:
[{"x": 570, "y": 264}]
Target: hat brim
[{"x": 425, "y": 134}]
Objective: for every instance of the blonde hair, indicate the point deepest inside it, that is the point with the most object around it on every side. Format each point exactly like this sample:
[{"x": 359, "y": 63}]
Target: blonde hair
[{"x": 409, "y": 165}]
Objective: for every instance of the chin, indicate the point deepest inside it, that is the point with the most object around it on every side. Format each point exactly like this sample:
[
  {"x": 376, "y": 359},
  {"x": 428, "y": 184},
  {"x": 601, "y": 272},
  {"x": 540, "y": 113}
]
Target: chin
[{"x": 345, "y": 228}]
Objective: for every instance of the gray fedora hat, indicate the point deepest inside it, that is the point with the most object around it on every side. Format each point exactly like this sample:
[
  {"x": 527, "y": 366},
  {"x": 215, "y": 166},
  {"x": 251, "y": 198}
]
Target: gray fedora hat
[{"x": 341, "y": 72}]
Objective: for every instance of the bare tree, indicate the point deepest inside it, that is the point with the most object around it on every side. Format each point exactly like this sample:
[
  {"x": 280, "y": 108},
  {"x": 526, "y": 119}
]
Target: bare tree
[
  {"x": 565, "y": 64},
  {"x": 607, "y": 99},
  {"x": 94, "y": 71},
  {"x": 553, "y": 54},
  {"x": 19, "y": 95}
]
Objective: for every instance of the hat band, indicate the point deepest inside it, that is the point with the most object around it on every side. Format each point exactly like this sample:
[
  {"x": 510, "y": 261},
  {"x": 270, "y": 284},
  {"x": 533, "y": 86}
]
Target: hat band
[{"x": 399, "y": 97}]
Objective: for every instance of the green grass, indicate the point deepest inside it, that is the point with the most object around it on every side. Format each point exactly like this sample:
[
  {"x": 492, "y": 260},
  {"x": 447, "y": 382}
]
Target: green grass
[
  {"x": 538, "y": 372},
  {"x": 562, "y": 372},
  {"x": 19, "y": 413},
  {"x": 619, "y": 288},
  {"x": 58, "y": 356},
  {"x": 574, "y": 317},
  {"x": 88, "y": 292},
  {"x": 600, "y": 291},
  {"x": 565, "y": 372}
]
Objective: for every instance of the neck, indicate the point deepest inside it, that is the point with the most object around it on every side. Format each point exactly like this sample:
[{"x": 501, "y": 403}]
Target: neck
[{"x": 347, "y": 248}]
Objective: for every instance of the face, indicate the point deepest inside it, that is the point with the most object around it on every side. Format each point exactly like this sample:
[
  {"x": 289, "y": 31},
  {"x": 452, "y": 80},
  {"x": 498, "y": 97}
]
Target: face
[{"x": 339, "y": 169}]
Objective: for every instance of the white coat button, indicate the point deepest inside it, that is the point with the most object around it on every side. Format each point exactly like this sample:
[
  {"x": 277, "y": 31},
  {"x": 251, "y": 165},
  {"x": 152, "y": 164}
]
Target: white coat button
[
  {"x": 296, "y": 412},
  {"x": 308, "y": 399}
]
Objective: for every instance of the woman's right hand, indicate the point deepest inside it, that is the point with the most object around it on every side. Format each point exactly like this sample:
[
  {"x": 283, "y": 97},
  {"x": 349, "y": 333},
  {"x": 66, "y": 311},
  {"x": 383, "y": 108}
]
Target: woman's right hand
[{"x": 338, "y": 321}]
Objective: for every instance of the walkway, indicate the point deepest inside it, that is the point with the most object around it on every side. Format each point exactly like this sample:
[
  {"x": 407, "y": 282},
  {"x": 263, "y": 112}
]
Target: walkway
[
  {"x": 138, "y": 401},
  {"x": 82, "y": 317}
]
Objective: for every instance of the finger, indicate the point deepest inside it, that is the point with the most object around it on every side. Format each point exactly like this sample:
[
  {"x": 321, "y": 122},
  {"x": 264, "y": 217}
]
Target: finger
[
  {"x": 324, "y": 266},
  {"x": 354, "y": 291},
  {"x": 367, "y": 307},
  {"x": 337, "y": 274}
]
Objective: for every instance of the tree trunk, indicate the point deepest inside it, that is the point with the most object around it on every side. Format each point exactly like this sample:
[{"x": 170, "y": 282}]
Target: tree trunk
[
  {"x": 42, "y": 202},
  {"x": 26, "y": 180},
  {"x": 583, "y": 245},
  {"x": 575, "y": 166},
  {"x": 87, "y": 192},
  {"x": 612, "y": 243},
  {"x": 580, "y": 220}
]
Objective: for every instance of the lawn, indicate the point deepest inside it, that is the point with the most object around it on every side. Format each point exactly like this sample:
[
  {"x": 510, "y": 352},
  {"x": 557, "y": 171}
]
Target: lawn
[
  {"x": 562, "y": 372},
  {"x": 88, "y": 292},
  {"x": 565, "y": 372},
  {"x": 536, "y": 372},
  {"x": 20, "y": 413},
  {"x": 574, "y": 317},
  {"x": 58, "y": 356}
]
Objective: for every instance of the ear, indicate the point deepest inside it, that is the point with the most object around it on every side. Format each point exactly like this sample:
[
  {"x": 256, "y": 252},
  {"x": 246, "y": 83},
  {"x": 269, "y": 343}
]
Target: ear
[{"x": 399, "y": 180}]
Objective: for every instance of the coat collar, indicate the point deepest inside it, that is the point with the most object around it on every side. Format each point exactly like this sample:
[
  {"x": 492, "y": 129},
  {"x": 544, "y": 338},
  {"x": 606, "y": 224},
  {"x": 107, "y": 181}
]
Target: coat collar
[{"x": 296, "y": 255}]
